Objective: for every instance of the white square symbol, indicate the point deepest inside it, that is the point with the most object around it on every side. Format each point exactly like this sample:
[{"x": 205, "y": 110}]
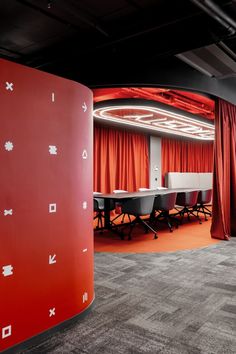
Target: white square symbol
[
  {"x": 52, "y": 208},
  {"x": 6, "y": 332}
]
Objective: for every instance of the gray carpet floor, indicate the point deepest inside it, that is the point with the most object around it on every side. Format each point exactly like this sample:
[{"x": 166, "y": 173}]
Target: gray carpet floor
[{"x": 169, "y": 303}]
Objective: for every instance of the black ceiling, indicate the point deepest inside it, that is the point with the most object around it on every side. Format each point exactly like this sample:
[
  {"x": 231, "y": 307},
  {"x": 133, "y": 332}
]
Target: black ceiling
[{"x": 77, "y": 39}]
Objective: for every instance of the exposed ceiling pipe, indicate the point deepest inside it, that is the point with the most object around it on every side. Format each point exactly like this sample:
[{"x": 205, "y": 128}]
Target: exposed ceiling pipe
[{"x": 217, "y": 14}]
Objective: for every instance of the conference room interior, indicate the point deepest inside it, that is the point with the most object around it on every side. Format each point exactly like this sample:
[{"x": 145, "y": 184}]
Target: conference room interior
[
  {"x": 83, "y": 270},
  {"x": 138, "y": 158}
]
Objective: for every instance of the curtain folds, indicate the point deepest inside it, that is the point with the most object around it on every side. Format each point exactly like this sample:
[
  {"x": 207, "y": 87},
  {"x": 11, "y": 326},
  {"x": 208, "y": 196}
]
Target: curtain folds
[
  {"x": 186, "y": 156},
  {"x": 121, "y": 160},
  {"x": 224, "y": 181}
]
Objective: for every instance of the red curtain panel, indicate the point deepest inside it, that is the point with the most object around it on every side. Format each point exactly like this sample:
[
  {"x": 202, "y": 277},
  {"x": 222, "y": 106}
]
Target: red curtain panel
[
  {"x": 186, "y": 156},
  {"x": 224, "y": 180},
  {"x": 121, "y": 160}
]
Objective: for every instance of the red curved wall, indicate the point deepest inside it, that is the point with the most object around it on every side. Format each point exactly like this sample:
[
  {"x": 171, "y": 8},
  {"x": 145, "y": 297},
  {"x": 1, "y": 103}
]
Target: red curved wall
[{"x": 46, "y": 243}]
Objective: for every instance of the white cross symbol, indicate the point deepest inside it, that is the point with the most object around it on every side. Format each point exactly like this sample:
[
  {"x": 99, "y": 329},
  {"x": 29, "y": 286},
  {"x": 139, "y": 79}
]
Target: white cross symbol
[
  {"x": 7, "y": 270},
  {"x": 8, "y": 212},
  {"x": 52, "y": 312},
  {"x": 9, "y": 86}
]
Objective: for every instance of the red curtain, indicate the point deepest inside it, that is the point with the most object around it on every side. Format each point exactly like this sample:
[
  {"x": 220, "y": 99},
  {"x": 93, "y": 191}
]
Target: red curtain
[
  {"x": 121, "y": 160},
  {"x": 224, "y": 181},
  {"x": 186, "y": 156}
]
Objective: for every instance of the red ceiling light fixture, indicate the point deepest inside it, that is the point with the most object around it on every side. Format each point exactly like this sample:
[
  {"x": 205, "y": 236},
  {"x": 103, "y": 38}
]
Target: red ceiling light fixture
[{"x": 191, "y": 102}]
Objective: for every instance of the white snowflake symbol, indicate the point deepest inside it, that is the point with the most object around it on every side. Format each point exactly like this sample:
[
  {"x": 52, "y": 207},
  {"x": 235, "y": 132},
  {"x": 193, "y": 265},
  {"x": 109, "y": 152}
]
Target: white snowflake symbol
[{"x": 9, "y": 146}]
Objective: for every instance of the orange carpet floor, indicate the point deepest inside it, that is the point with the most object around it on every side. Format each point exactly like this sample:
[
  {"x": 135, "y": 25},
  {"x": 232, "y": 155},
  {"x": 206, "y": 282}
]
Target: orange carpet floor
[{"x": 189, "y": 235}]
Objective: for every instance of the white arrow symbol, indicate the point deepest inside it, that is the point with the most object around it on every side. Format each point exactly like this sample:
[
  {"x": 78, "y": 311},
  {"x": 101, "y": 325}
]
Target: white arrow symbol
[
  {"x": 84, "y": 106},
  {"x": 52, "y": 259}
]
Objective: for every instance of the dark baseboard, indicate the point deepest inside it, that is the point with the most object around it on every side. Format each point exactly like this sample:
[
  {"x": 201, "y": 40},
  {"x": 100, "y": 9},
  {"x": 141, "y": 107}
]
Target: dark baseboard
[{"x": 33, "y": 341}]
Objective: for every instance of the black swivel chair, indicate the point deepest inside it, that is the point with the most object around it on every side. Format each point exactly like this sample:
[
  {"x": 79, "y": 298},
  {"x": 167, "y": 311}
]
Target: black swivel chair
[
  {"x": 98, "y": 208},
  {"x": 163, "y": 204},
  {"x": 139, "y": 206},
  {"x": 204, "y": 199},
  {"x": 187, "y": 200},
  {"x": 118, "y": 205}
]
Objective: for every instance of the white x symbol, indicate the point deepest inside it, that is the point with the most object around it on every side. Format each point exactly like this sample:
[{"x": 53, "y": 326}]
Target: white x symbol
[
  {"x": 9, "y": 86},
  {"x": 8, "y": 212},
  {"x": 52, "y": 312}
]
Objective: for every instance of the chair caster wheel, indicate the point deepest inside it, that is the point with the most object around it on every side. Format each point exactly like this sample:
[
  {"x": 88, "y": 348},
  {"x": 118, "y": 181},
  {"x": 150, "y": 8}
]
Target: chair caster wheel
[{"x": 155, "y": 236}]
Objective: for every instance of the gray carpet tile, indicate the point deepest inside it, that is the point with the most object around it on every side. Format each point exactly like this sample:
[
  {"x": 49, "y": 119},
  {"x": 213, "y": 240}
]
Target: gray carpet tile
[{"x": 167, "y": 303}]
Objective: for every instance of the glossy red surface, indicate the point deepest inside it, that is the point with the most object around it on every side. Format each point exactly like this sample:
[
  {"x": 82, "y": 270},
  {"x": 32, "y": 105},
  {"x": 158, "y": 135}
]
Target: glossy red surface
[{"x": 31, "y": 178}]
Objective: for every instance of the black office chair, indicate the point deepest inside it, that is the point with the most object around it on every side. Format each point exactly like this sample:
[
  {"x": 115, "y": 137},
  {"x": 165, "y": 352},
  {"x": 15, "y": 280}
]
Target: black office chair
[
  {"x": 139, "y": 206},
  {"x": 98, "y": 208},
  {"x": 163, "y": 204},
  {"x": 118, "y": 206},
  {"x": 203, "y": 200},
  {"x": 187, "y": 200}
]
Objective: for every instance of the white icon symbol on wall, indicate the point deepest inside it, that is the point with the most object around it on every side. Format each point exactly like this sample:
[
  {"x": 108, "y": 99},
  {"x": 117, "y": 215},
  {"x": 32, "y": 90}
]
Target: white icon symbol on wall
[
  {"x": 52, "y": 259},
  {"x": 52, "y": 208},
  {"x": 52, "y": 149},
  {"x": 52, "y": 312},
  {"x": 7, "y": 270},
  {"x": 84, "y": 106},
  {"x": 9, "y": 86},
  {"x": 85, "y": 205},
  {"x": 9, "y": 145},
  {"x": 53, "y": 97},
  {"x": 6, "y": 332},
  {"x": 85, "y": 297},
  {"x": 85, "y": 250},
  {"x": 84, "y": 154},
  {"x": 8, "y": 212}
]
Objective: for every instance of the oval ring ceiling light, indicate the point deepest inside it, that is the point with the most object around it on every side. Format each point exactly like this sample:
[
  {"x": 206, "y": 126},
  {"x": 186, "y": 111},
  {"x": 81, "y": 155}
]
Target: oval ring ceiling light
[{"x": 156, "y": 119}]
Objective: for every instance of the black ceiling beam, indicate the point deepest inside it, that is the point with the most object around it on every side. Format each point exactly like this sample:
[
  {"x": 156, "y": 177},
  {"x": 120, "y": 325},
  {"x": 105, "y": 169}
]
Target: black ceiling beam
[{"x": 82, "y": 18}]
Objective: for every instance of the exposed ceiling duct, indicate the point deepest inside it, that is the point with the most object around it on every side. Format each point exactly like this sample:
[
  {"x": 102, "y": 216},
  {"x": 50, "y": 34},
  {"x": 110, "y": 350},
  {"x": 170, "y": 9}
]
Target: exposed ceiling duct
[
  {"x": 215, "y": 60},
  {"x": 211, "y": 61},
  {"x": 217, "y": 14}
]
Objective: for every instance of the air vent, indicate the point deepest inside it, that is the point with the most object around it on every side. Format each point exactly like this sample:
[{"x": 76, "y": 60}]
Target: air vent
[{"x": 211, "y": 61}]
